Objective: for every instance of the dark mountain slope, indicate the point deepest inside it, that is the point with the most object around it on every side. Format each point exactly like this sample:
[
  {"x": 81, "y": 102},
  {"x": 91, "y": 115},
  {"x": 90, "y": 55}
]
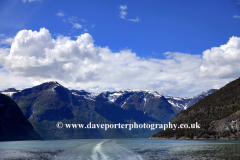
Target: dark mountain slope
[
  {"x": 49, "y": 103},
  {"x": 217, "y": 114},
  {"x": 13, "y": 125}
]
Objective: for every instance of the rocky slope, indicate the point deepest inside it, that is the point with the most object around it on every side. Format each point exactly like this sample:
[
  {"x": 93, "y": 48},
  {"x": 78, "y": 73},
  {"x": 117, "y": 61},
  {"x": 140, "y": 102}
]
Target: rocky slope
[
  {"x": 13, "y": 125},
  {"x": 218, "y": 115}
]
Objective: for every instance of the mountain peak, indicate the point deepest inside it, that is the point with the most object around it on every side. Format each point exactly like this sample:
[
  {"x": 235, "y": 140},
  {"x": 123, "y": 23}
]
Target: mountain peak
[
  {"x": 206, "y": 93},
  {"x": 155, "y": 93},
  {"x": 51, "y": 82},
  {"x": 11, "y": 90}
]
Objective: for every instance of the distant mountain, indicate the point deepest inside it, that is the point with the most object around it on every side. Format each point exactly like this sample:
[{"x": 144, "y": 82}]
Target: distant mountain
[
  {"x": 46, "y": 104},
  {"x": 183, "y": 103},
  {"x": 147, "y": 102},
  {"x": 218, "y": 115},
  {"x": 10, "y": 91},
  {"x": 121, "y": 98},
  {"x": 13, "y": 125}
]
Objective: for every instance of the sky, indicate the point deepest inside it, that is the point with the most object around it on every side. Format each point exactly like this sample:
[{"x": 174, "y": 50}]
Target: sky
[{"x": 178, "y": 48}]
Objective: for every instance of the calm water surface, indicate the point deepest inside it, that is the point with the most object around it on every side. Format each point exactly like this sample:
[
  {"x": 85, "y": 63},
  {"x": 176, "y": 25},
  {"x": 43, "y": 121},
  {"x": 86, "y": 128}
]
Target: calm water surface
[{"x": 129, "y": 149}]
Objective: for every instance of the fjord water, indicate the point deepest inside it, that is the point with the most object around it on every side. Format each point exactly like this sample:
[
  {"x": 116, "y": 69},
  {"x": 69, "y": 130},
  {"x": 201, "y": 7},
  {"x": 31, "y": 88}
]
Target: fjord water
[{"x": 129, "y": 149}]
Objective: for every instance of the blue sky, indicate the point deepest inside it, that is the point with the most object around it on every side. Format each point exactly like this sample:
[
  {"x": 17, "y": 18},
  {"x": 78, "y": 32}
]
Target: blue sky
[{"x": 154, "y": 34}]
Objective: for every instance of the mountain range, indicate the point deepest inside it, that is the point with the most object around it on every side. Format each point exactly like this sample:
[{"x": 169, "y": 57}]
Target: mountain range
[{"x": 49, "y": 103}]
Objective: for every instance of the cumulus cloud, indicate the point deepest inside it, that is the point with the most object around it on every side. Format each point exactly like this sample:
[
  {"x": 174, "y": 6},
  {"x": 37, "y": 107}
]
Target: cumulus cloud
[
  {"x": 123, "y": 13},
  {"x": 37, "y": 57},
  {"x": 223, "y": 61}
]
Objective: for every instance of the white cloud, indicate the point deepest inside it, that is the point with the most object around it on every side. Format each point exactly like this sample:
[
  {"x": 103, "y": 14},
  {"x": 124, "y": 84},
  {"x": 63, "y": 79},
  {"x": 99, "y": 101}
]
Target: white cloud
[
  {"x": 236, "y": 16},
  {"x": 6, "y": 40},
  {"x": 60, "y": 14},
  {"x": 24, "y": 1},
  {"x": 72, "y": 20},
  {"x": 77, "y": 26},
  {"x": 36, "y": 57},
  {"x": 123, "y": 13},
  {"x": 134, "y": 20},
  {"x": 8, "y": 80},
  {"x": 223, "y": 61}
]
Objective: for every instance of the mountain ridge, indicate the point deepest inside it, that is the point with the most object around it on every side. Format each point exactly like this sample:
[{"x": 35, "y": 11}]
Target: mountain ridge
[
  {"x": 46, "y": 104},
  {"x": 49, "y": 103},
  {"x": 179, "y": 103}
]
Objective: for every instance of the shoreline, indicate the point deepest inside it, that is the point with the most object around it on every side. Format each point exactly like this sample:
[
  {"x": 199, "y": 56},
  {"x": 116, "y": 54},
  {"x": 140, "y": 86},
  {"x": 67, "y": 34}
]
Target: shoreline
[
  {"x": 195, "y": 138},
  {"x": 19, "y": 154}
]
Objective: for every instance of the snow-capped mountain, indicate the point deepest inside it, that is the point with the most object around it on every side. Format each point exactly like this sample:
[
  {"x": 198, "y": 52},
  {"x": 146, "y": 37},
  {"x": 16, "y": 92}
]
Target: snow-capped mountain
[
  {"x": 179, "y": 103},
  {"x": 121, "y": 97},
  {"x": 184, "y": 103},
  {"x": 10, "y": 91},
  {"x": 50, "y": 102},
  {"x": 115, "y": 96}
]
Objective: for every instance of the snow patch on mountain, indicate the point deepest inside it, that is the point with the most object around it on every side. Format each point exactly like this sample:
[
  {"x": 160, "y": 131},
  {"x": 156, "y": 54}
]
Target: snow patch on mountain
[
  {"x": 112, "y": 97},
  {"x": 87, "y": 95},
  {"x": 175, "y": 104},
  {"x": 92, "y": 95},
  {"x": 53, "y": 88},
  {"x": 179, "y": 102},
  {"x": 8, "y": 93},
  {"x": 123, "y": 104},
  {"x": 126, "y": 100},
  {"x": 155, "y": 93},
  {"x": 145, "y": 100}
]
